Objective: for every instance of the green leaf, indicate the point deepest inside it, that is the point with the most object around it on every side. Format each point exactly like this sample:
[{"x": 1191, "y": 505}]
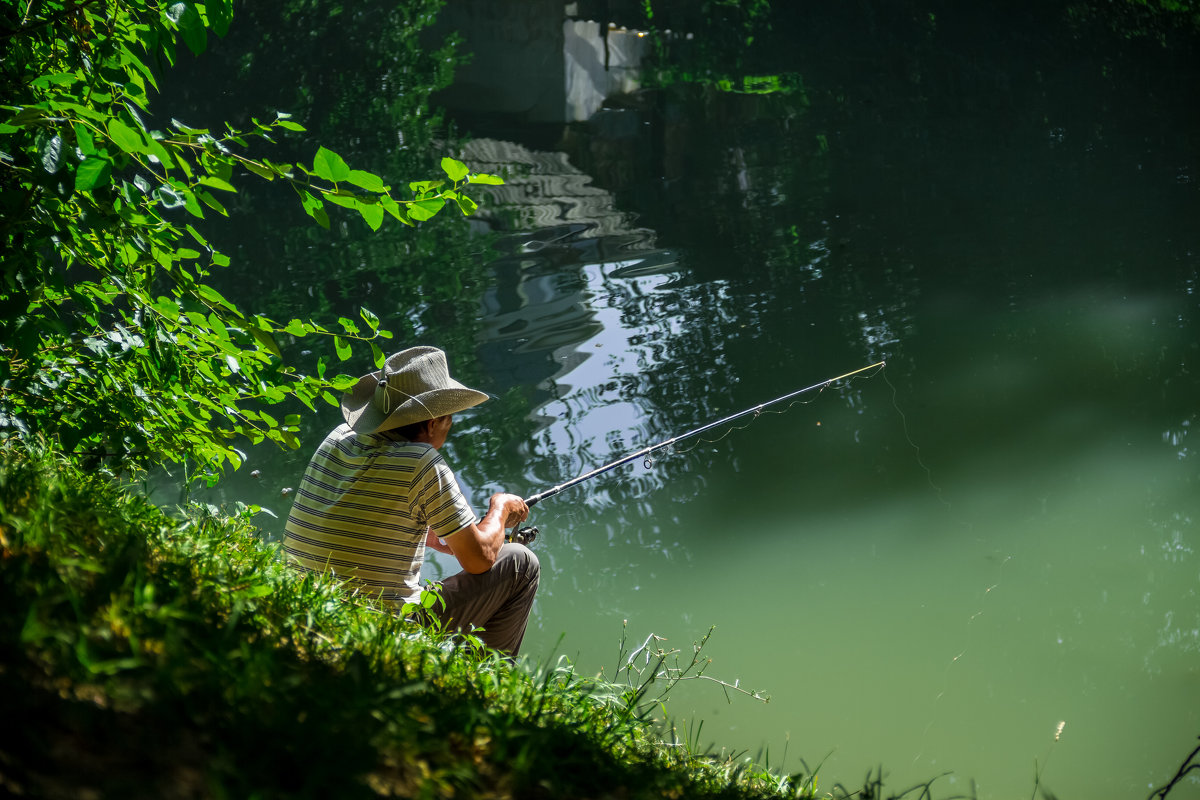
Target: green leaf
[
  {"x": 167, "y": 307},
  {"x": 84, "y": 140},
  {"x": 487, "y": 180},
  {"x": 377, "y": 355},
  {"x": 218, "y": 327},
  {"x": 192, "y": 205},
  {"x": 421, "y": 187},
  {"x": 259, "y": 170},
  {"x": 422, "y": 210},
  {"x": 315, "y": 209},
  {"x": 343, "y": 199},
  {"x": 51, "y": 153},
  {"x": 25, "y": 116},
  {"x": 213, "y": 296},
  {"x": 342, "y": 347},
  {"x": 92, "y": 173},
  {"x": 466, "y": 205},
  {"x": 197, "y": 236},
  {"x": 372, "y": 213},
  {"x": 187, "y": 128},
  {"x": 455, "y": 170},
  {"x": 211, "y": 202},
  {"x": 220, "y": 14},
  {"x": 370, "y": 318},
  {"x": 187, "y": 18},
  {"x": 366, "y": 180},
  {"x": 126, "y": 138},
  {"x": 395, "y": 209},
  {"x": 216, "y": 183},
  {"x": 330, "y": 166},
  {"x": 284, "y": 120},
  {"x": 58, "y": 79},
  {"x": 266, "y": 341},
  {"x": 158, "y": 150}
]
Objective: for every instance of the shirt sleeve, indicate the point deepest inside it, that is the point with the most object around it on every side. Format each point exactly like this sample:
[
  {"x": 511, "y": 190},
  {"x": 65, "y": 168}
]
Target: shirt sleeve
[{"x": 442, "y": 502}]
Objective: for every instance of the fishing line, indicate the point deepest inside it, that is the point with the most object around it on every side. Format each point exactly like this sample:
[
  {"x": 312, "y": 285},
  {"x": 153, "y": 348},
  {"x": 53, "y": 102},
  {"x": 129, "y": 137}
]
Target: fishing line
[
  {"x": 967, "y": 644},
  {"x": 982, "y": 599},
  {"x": 904, "y": 426},
  {"x": 959, "y": 657}
]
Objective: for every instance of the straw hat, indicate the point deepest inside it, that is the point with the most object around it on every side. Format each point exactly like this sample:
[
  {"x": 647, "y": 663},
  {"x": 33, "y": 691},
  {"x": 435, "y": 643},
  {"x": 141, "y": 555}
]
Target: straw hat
[{"x": 414, "y": 385}]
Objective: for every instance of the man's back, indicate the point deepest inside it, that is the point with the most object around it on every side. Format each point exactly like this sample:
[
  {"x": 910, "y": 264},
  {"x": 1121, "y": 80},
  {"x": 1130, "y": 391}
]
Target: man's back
[{"x": 363, "y": 508}]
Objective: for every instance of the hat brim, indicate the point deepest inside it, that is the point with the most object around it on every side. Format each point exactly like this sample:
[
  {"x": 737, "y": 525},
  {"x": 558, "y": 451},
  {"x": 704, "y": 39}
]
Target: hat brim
[{"x": 364, "y": 417}]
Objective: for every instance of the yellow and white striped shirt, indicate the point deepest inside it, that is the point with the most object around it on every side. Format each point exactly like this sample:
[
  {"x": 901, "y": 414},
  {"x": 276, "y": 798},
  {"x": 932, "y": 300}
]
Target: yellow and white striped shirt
[{"x": 363, "y": 508}]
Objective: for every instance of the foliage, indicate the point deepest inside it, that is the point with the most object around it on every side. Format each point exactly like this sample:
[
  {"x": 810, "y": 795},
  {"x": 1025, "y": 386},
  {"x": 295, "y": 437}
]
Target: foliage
[
  {"x": 150, "y": 656},
  {"x": 361, "y": 76},
  {"x": 1164, "y": 21},
  {"x": 114, "y": 340},
  {"x": 718, "y": 50}
]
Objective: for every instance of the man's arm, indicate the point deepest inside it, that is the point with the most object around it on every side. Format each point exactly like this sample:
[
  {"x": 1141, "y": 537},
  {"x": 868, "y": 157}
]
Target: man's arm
[{"x": 477, "y": 545}]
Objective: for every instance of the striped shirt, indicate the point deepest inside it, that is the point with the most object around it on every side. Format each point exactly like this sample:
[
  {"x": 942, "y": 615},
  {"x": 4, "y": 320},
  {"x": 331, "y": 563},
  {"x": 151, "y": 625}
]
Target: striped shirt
[{"x": 363, "y": 508}]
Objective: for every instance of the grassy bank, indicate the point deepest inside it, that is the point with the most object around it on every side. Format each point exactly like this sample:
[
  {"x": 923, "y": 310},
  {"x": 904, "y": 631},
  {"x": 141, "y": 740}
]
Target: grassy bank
[{"x": 152, "y": 656}]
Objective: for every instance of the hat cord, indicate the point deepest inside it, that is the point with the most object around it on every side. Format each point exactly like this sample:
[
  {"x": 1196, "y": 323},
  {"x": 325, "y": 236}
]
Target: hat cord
[{"x": 382, "y": 400}]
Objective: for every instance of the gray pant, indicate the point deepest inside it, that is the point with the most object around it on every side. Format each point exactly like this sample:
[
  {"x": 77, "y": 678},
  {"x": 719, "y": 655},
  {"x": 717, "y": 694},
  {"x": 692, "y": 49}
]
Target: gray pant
[{"x": 498, "y": 601}]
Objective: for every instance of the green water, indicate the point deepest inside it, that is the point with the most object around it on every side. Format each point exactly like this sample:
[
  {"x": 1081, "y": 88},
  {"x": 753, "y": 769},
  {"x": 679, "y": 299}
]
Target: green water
[
  {"x": 927, "y": 568},
  {"x": 929, "y": 572}
]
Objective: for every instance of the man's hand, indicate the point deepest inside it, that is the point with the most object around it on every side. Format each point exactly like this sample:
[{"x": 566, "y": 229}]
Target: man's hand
[
  {"x": 477, "y": 545},
  {"x": 435, "y": 542},
  {"x": 512, "y": 508}
]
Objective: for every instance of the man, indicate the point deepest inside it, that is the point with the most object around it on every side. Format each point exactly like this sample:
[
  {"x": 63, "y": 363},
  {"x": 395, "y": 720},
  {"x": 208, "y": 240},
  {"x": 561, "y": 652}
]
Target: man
[{"x": 377, "y": 493}]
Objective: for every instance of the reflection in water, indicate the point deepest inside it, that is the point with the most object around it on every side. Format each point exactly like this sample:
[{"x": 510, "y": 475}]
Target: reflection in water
[
  {"x": 587, "y": 311},
  {"x": 543, "y": 190},
  {"x": 582, "y": 319}
]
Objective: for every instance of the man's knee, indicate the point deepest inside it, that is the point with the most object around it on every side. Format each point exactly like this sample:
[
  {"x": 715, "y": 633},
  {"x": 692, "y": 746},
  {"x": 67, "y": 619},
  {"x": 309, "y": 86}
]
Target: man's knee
[{"x": 525, "y": 561}]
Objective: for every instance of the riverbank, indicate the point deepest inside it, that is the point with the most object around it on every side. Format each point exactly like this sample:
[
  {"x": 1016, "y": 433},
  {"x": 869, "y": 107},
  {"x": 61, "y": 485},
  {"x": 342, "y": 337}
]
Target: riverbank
[{"x": 150, "y": 655}]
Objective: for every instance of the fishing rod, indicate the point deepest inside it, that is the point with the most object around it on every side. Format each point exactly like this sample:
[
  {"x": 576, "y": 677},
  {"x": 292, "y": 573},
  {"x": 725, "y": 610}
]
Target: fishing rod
[{"x": 527, "y": 534}]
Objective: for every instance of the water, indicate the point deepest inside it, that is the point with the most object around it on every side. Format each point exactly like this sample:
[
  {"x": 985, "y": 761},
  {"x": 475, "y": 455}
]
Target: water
[
  {"x": 928, "y": 569},
  {"x": 929, "y": 574}
]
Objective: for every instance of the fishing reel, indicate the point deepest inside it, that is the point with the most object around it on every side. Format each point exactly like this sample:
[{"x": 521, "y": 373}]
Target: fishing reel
[{"x": 524, "y": 535}]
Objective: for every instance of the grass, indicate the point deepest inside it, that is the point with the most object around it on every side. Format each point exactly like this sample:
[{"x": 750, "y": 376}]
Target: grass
[{"x": 148, "y": 655}]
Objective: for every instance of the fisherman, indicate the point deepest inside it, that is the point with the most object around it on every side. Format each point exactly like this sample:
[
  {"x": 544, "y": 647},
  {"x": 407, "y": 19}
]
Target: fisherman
[{"x": 377, "y": 493}]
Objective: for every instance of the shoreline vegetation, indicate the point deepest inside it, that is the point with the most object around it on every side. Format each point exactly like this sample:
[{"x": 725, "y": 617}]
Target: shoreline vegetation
[{"x": 158, "y": 656}]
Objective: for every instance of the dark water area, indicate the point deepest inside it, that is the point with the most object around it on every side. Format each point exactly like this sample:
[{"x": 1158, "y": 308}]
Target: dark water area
[{"x": 929, "y": 567}]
